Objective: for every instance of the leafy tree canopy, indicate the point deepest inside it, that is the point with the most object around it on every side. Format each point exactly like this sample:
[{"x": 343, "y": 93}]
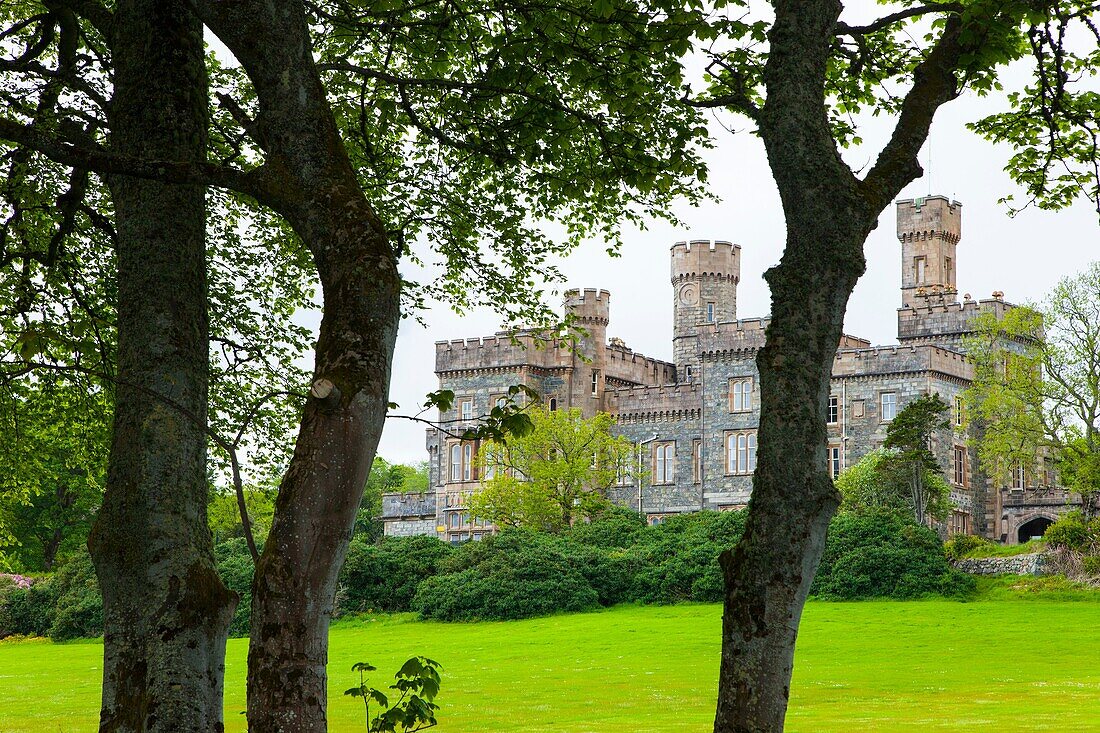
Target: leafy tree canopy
[
  {"x": 1036, "y": 390},
  {"x": 555, "y": 474}
]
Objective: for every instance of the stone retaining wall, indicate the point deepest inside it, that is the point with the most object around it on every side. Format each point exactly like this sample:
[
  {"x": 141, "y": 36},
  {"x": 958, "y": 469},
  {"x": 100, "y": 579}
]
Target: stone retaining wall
[{"x": 1031, "y": 564}]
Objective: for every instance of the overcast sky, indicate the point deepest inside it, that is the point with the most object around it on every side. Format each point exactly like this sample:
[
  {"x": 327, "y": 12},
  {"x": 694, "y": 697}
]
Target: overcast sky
[{"x": 1023, "y": 256}]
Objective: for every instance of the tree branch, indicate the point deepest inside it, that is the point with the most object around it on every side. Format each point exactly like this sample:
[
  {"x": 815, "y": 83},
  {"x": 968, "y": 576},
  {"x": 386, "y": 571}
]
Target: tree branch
[
  {"x": 843, "y": 29},
  {"x": 252, "y": 182},
  {"x": 934, "y": 84}
]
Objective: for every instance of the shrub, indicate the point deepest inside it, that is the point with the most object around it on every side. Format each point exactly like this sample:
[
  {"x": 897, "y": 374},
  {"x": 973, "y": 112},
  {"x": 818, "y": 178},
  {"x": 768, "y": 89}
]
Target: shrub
[
  {"x": 77, "y": 610},
  {"x": 65, "y": 605},
  {"x": 25, "y": 611},
  {"x": 678, "y": 559},
  {"x": 614, "y": 528},
  {"x": 1070, "y": 532},
  {"x": 1091, "y": 565},
  {"x": 963, "y": 545},
  {"x": 511, "y": 576},
  {"x": 236, "y": 569},
  {"x": 878, "y": 554},
  {"x": 384, "y": 576}
]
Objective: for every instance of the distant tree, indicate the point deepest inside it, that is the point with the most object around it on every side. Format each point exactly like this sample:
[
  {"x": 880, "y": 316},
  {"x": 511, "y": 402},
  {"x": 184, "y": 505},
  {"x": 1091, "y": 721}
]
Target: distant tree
[
  {"x": 53, "y": 446},
  {"x": 224, "y": 515},
  {"x": 386, "y": 477},
  {"x": 555, "y": 474},
  {"x": 910, "y": 462},
  {"x": 1036, "y": 390},
  {"x": 882, "y": 480}
]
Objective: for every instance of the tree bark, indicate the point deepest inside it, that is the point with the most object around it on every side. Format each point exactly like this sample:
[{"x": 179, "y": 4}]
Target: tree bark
[
  {"x": 829, "y": 214},
  {"x": 166, "y": 612},
  {"x": 319, "y": 194}
]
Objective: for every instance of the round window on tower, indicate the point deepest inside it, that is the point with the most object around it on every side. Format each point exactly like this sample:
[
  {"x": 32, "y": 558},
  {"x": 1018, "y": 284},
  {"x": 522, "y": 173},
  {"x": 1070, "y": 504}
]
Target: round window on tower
[{"x": 689, "y": 294}]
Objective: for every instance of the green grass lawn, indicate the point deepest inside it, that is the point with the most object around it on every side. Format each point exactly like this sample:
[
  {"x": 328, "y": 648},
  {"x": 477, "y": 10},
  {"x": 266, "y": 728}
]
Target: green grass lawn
[{"x": 1005, "y": 665}]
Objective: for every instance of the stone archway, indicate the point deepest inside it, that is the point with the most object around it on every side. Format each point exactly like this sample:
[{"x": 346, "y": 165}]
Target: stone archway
[{"x": 1034, "y": 527}]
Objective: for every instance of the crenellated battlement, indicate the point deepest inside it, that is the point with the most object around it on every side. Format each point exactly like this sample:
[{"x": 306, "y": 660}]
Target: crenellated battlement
[
  {"x": 625, "y": 363},
  {"x": 932, "y": 315},
  {"x": 929, "y": 217},
  {"x": 502, "y": 349},
  {"x": 654, "y": 398},
  {"x": 901, "y": 359},
  {"x": 589, "y": 306},
  {"x": 706, "y": 258}
]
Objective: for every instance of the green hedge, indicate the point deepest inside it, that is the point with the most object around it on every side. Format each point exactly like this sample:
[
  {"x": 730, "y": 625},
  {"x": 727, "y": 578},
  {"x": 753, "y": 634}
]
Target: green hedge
[
  {"x": 384, "y": 576},
  {"x": 880, "y": 554},
  {"x": 518, "y": 574}
]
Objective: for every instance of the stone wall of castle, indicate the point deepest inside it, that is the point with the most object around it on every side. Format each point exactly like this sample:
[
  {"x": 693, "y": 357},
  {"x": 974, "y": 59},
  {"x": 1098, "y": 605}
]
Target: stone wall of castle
[{"x": 702, "y": 409}]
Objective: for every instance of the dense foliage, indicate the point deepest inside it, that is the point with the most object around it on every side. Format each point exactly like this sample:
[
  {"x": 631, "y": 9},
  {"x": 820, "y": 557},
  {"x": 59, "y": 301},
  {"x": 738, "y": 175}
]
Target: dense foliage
[
  {"x": 554, "y": 475},
  {"x": 1036, "y": 389},
  {"x": 885, "y": 555},
  {"x": 66, "y": 605},
  {"x": 520, "y": 573}
]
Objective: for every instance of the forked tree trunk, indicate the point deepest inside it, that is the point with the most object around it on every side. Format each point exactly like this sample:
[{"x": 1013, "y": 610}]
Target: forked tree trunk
[
  {"x": 829, "y": 214},
  {"x": 295, "y": 585},
  {"x": 166, "y": 613}
]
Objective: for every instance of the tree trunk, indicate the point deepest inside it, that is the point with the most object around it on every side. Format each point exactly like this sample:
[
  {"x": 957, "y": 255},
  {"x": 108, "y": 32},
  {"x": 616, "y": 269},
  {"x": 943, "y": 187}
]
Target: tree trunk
[
  {"x": 829, "y": 214},
  {"x": 295, "y": 585},
  {"x": 768, "y": 574},
  {"x": 166, "y": 612}
]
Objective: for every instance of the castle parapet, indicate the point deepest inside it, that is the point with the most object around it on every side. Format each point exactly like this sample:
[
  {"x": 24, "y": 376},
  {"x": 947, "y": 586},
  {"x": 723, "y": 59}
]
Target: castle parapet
[
  {"x": 624, "y": 364},
  {"x": 706, "y": 258},
  {"x": 589, "y": 306},
  {"x": 501, "y": 349},
  {"x": 672, "y": 401},
  {"x": 900, "y": 360},
  {"x": 930, "y": 318}
]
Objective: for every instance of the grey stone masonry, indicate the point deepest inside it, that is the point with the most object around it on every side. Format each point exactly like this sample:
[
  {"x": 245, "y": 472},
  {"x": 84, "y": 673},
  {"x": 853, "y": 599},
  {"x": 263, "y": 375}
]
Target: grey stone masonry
[
  {"x": 1030, "y": 564},
  {"x": 701, "y": 411}
]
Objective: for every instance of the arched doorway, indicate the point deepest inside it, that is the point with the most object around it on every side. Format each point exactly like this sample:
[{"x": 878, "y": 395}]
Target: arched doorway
[{"x": 1033, "y": 528}]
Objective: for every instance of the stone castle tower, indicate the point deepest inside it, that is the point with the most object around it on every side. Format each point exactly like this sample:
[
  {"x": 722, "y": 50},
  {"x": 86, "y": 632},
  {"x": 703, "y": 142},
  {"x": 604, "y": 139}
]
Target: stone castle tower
[
  {"x": 704, "y": 286},
  {"x": 929, "y": 229},
  {"x": 584, "y": 388}
]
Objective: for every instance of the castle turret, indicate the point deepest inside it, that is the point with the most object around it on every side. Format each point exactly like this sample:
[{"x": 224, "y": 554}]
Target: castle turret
[
  {"x": 929, "y": 229},
  {"x": 704, "y": 282},
  {"x": 591, "y": 310}
]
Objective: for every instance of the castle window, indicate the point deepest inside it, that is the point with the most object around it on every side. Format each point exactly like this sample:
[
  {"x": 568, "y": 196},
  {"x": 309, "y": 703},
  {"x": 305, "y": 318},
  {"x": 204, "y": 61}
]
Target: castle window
[
  {"x": 859, "y": 408},
  {"x": 960, "y": 465},
  {"x": 918, "y": 269},
  {"x": 740, "y": 453},
  {"x": 889, "y": 404},
  {"x": 467, "y": 462},
  {"x": 456, "y": 462},
  {"x": 834, "y": 461},
  {"x": 696, "y": 460},
  {"x": 689, "y": 372},
  {"x": 501, "y": 402},
  {"x": 1018, "y": 478},
  {"x": 741, "y": 395},
  {"x": 834, "y": 409},
  {"x": 958, "y": 411},
  {"x": 710, "y": 312},
  {"x": 466, "y": 409},
  {"x": 553, "y": 404},
  {"x": 595, "y": 382},
  {"x": 623, "y": 475},
  {"x": 664, "y": 463},
  {"x": 946, "y": 270}
]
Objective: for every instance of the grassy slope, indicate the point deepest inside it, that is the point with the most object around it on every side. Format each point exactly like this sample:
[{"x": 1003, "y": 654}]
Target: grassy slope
[{"x": 1009, "y": 665}]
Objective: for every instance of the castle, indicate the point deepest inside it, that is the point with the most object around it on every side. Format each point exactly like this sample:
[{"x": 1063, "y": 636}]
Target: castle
[{"x": 695, "y": 418}]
